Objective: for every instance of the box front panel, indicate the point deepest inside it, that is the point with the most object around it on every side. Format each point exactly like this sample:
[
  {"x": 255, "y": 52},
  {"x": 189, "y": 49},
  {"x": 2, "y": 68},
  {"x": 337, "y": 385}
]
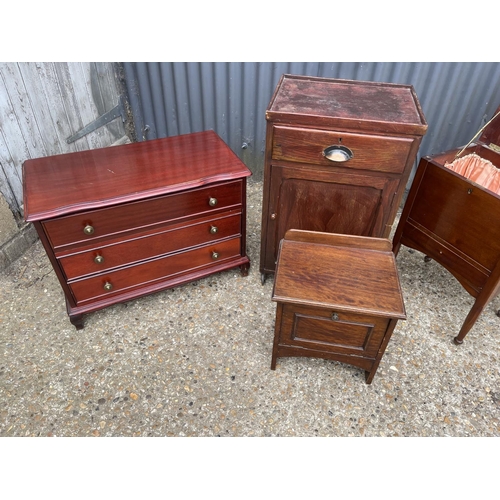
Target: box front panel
[
  {"x": 460, "y": 213},
  {"x": 329, "y": 330}
]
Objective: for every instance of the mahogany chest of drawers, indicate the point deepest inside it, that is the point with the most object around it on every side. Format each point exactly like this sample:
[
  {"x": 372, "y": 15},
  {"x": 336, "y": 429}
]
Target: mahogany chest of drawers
[
  {"x": 338, "y": 157},
  {"x": 338, "y": 297},
  {"x": 121, "y": 222}
]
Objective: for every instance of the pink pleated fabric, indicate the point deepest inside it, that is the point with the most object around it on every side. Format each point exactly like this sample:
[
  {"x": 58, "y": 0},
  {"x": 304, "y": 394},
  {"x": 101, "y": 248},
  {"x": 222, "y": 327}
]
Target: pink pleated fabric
[{"x": 478, "y": 170}]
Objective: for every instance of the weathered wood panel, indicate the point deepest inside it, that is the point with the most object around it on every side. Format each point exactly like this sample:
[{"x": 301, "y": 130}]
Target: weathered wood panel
[{"x": 44, "y": 103}]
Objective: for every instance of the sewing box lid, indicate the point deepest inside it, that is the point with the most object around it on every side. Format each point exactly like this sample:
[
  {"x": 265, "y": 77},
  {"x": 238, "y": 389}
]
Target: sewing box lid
[{"x": 490, "y": 136}]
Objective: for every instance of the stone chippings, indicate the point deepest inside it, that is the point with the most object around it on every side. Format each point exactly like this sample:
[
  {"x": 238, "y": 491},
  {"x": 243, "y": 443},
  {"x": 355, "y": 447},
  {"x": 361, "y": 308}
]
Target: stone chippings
[{"x": 195, "y": 361}]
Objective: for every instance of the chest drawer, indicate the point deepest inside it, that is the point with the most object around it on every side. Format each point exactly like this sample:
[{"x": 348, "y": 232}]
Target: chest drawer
[
  {"x": 370, "y": 152},
  {"x": 339, "y": 332},
  {"x": 145, "y": 246},
  {"x": 96, "y": 224},
  {"x": 125, "y": 279}
]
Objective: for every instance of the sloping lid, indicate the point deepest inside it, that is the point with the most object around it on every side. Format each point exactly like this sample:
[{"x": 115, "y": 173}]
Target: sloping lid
[
  {"x": 491, "y": 134},
  {"x": 344, "y": 272}
]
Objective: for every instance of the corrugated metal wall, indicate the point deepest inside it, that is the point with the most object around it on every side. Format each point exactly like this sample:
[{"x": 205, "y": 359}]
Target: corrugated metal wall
[{"x": 231, "y": 98}]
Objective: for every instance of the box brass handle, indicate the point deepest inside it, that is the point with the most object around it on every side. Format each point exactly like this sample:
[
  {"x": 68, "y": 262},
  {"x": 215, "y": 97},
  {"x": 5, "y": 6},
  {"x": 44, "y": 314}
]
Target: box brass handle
[
  {"x": 88, "y": 230},
  {"x": 338, "y": 154},
  {"x": 214, "y": 229},
  {"x": 108, "y": 286},
  {"x": 215, "y": 255},
  {"x": 99, "y": 259},
  {"x": 212, "y": 202}
]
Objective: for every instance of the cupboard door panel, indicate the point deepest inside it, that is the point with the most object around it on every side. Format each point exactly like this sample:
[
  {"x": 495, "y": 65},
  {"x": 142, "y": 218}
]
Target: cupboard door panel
[{"x": 332, "y": 202}]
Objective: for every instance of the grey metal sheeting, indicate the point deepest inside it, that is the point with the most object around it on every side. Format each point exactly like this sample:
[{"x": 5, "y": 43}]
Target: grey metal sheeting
[{"x": 231, "y": 98}]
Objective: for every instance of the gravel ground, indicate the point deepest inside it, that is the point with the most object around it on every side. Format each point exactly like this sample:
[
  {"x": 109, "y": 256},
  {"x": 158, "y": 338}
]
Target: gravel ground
[{"x": 195, "y": 361}]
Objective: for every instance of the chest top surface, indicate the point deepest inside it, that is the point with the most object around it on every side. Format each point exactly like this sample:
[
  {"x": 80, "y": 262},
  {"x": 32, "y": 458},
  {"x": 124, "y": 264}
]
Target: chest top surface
[
  {"x": 66, "y": 183},
  {"x": 351, "y": 273},
  {"x": 370, "y": 105}
]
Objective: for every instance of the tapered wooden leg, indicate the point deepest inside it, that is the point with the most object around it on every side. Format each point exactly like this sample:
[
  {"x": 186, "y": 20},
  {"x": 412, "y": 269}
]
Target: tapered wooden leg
[
  {"x": 489, "y": 291},
  {"x": 369, "y": 375},
  {"x": 273, "y": 360},
  {"x": 277, "y": 330},
  {"x": 471, "y": 318},
  {"x": 396, "y": 240}
]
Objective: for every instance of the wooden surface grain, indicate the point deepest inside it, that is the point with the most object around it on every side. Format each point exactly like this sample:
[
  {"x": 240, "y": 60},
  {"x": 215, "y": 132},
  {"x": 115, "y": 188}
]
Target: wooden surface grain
[
  {"x": 327, "y": 272},
  {"x": 366, "y": 105}
]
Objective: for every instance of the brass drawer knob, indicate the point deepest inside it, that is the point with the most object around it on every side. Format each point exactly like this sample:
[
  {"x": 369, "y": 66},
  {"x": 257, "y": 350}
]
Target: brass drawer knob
[
  {"x": 99, "y": 259},
  {"x": 212, "y": 202},
  {"x": 88, "y": 230},
  {"x": 108, "y": 286},
  {"x": 214, "y": 229},
  {"x": 215, "y": 255},
  {"x": 335, "y": 317}
]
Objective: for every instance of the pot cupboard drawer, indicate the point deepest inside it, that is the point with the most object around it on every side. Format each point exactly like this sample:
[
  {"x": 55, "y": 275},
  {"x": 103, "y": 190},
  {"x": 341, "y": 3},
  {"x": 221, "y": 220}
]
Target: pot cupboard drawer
[
  {"x": 124, "y": 279},
  {"x": 91, "y": 225},
  {"x": 141, "y": 247},
  {"x": 370, "y": 152}
]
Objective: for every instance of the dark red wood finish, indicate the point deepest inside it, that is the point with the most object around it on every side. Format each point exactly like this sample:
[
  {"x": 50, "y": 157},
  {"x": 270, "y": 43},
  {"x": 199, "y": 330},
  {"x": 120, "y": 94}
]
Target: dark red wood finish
[
  {"x": 338, "y": 297},
  {"x": 152, "y": 270},
  {"x": 374, "y": 152},
  {"x": 456, "y": 222},
  {"x": 64, "y": 231},
  {"x": 382, "y": 125},
  {"x": 68, "y": 183},
  {"x": 121, "y": 222},
  {"x": 121, "y": 250}
]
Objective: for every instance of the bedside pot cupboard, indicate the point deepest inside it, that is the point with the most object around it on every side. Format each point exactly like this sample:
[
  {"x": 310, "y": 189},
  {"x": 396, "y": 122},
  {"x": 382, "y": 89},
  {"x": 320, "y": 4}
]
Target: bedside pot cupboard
[
  {"x": 338, "y": 157},
  {"x": 338, "y": 297},
  {"x": 121, "y": 222}
]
